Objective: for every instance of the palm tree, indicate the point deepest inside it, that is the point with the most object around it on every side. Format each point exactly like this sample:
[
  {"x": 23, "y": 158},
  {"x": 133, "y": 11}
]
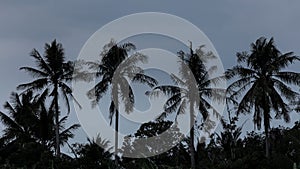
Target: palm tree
[
  {"x": 52, "y": 73},
  {"x": 91, "y": 155},
  {"x": 229, "y": 138},
  {"x": 20, "y": 123},
  {"x": 30, "y": 121},
  {"x": 192, "y": 90},
  {"x": 264, "y": 83},
  {"x": 115, "y": 70}
]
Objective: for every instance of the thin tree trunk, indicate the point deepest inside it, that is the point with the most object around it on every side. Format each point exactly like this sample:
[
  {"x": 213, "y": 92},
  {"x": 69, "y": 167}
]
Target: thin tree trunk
[
  {"x": 116, "y": 136},
  {"x": 192, "y": 149},
  {"x": 192, "y": 137},
  {"x": 192, "y": 134},
  {"x": 267, "y": 141},
  {"x": 57, "y": 146},
  {"x": 266, "y": 109}
]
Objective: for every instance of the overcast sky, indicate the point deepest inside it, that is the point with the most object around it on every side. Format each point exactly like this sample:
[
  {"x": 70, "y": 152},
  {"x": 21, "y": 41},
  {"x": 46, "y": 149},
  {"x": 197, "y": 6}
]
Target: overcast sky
[{"x": 231, "y": 25}]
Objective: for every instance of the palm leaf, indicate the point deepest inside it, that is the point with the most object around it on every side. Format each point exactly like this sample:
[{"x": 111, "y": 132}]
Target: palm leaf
[
  {"x": 285, "y": 90},
  {"x": 144, "y": 79},
  {"x": 34, "y": 85},
  {"x": 34, "y": 72},
  {"x": 10, "y": 123},
  {"x": 41, "y": 62},
  {"x": 288, "y": 77}
]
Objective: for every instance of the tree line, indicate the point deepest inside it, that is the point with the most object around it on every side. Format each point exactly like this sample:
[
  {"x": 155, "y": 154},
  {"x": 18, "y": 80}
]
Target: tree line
[{"x": 260, "y": 84}]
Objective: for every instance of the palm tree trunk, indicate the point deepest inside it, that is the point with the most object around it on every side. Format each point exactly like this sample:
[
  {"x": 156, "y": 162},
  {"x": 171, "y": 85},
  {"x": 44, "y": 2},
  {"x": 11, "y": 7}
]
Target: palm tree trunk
[
  {"x": 57, "y": 147},
  {"x": 116, "y": 137},
  {"x": 267, "y": 126},
  {"x": 267, "y": 141},
  {"x": 192, "y": 149},
  {"x": 192, "y": 137}
]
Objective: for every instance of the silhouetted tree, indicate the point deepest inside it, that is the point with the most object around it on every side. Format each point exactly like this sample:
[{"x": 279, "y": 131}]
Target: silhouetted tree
[
  {"x": 229, "y": 137},
  {"x": 263, "y": 83},
  {"x": 29, "y": 133},
  {"x": 192, "y": 90},
  {"x": 160, "y": 138},
  {"x": 94, "y": 154},
  {"x": 116, "y": 69},
  {"x": 52, "y": 73}
]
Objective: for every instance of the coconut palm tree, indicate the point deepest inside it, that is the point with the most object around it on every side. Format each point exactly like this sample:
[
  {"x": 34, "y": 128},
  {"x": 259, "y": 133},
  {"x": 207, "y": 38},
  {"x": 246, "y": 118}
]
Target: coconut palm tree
[
  {"x": 192, "y": 91},
  {"x": 91, "y": 155},
  {"x": 28, "y": 120},
  {"x": 116, "y": 69},
  {"x": 20, "y": 119},
  {"x": 180, "y": 99},
  {"x": 263, "y": 83},
  {"x": 52, "y": 73}
]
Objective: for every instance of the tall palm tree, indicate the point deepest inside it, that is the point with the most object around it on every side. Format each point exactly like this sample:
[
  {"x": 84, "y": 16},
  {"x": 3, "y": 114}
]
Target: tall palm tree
[
  {"x": 52, "y": 73},
  {"x": 116, "y": 69},
  {"x": 263, "y": 83},
  {"x": 192, "y": 89}
]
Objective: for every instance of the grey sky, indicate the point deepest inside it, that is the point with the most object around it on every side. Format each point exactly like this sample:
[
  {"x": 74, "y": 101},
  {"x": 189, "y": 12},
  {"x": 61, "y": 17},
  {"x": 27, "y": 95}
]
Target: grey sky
[{"x": 231, "y": 25}]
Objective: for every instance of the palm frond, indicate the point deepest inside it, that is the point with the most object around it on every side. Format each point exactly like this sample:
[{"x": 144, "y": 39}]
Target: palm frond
[
  {"x": 126, "y": 94},
  {"x": 182, "y": 107},
  {"x": 10, "y": 108},
  {"x": 135, "y": 59},
  {"x": 236, "y": 93},
  {"x": 66, "y": 134},
  {"x": 280, "y": 107},
  {"x": 239, "y": 83},
  {"x": 288, "y": 77},
  {"x": 168, "y": 90},
  {"x": 214, "y": 94},
  {"x": 214, "y": 81},
  {"x": 285, "y": 90},
  {"x": 145, "y": 79},
  {"x": 98, "y": 91},
  {"x": 41, "y": 98},
  {"x": 205, "y": 106},
  {"x": 67, "y": 93},
  {"x": 34, "y": 85},
  {"x": 128, "y": 46},
  {"x": 240, "y": 71},
  {"x": 283, "y": 61},
  {"x": 247, "y": 101},
  {"x": 34, "y": 72},
  {"x": 62, "y": 122},
  {"x": 41, "y": 62},
  {"x": 9, "y": 122},
  {"x": 66, "y": 99},
  {"x": 177, "y": 80},
  {"x": 242, "y": 56},
  {"x": 162, "y": 116},
  {"x": 173, "y": 103}
]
